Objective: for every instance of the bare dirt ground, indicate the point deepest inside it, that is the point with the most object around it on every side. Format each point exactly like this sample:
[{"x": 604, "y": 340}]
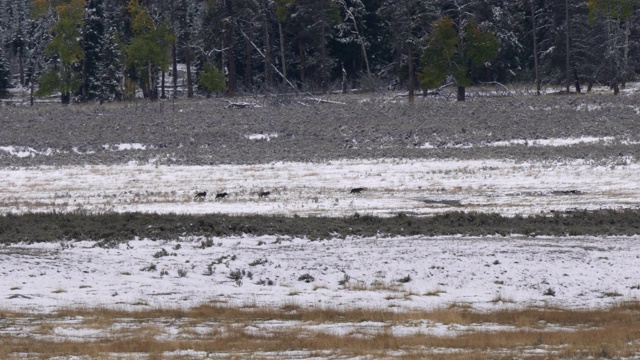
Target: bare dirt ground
[{"x": 209, "y": 132}]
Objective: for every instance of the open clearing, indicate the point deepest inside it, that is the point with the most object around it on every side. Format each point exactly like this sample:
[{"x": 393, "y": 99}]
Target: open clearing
[
  {"x": 419, "y": 187},
  {"x": 277, "y": 296}
]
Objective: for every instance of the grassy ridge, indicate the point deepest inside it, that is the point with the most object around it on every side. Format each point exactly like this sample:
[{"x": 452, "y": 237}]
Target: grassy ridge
[{"x": 39, "y": 227}]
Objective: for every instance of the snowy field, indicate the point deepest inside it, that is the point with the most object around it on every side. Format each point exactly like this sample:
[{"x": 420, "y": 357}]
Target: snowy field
[
  {"x": 406, "y": 273},
  {"x": 398, "y": 274},
  {"x": 486, "y": 273},
  {"x": 391, "y": 186}
]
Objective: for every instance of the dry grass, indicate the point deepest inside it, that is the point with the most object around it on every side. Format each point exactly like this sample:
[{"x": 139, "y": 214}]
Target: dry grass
[{"x": 558, "y": 333}]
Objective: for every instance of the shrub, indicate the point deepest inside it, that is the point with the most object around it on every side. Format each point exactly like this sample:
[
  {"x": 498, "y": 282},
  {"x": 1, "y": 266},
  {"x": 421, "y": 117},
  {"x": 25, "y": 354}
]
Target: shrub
[
  {"x": 306, "y": 278},
  {"x": 258, "y": 262},
  {"x": 161, "y": 253},
  {"x": 236, "y": 275},
  {"x": 345, "y": 280},
  {"x": 151, "y": 267}
]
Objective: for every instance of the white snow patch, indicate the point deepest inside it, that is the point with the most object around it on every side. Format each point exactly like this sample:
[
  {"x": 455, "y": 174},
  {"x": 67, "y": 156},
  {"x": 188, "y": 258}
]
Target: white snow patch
[
  {"x": 122, "y": 147},
  {"x": 266, "y": 137},
  {"x": 464, "y": 270},
  {"x": 552, "y": 142},
  {"x": 24, "y": 151}
]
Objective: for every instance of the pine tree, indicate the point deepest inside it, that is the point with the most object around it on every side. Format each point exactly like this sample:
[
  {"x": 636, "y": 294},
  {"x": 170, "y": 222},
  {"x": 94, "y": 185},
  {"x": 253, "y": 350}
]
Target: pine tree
[
  {"x": 148, "y": 52},
  {"x": 455, "y": 51},
  {"x": 93, "y": 34},
  {"x": 65, "y": 49},
  {"x": 5, "y": 73},
  {"x": 410, "y": 21},
  {"x": 39, "y": 38},
  {"x": 110, "y": 68}
]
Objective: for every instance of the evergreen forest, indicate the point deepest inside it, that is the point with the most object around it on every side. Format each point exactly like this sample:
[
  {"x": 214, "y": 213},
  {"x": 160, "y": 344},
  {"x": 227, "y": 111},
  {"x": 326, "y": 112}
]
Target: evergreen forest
[{"x": 113, "y": 50}]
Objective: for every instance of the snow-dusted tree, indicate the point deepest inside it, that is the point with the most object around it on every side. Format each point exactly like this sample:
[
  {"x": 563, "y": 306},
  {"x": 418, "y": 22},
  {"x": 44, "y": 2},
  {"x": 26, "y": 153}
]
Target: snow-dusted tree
[
  {"x": 65, "y": 50},
  {"x": 410, "y": 22},
  {"x": 16, "y": 25},
  {"x": 39, "y": 37},
  {"x": 110, "y": 67},
  {"x": 282, "y": 13},
  {"x": 506, "y": 20},
  {"x": 5, "y": 73},
  {"x": 349, "y": 30},
  {"x": 186, "y": 29},
  {"x": 454, "y": 50},
  {"x": 613, "y": 18},
  {"x": 93, "y": 33},
  {"x": 148, "y": 52},
  {"x": 312, "y": 23},
  {"x": 561, "y": 59}
]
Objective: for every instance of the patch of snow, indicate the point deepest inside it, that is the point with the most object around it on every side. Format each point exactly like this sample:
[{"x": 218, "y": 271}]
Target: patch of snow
[
  {"x": 464, "y": 270},
  {"x": 266, "y": 137},
  {"x": 122, "y": 147},
  {"x": 24, "y": 151}
]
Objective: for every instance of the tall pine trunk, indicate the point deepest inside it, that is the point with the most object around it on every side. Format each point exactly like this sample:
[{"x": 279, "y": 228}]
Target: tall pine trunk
[
  {"x": 535, "y": 50},
  {"x": 411, "y": 74},
  {"x": 189, "y": 76},
  {"x": 268, "y": 60},
  {"x": 462, "y": 93},
  {"x": 282, "y": 53},
  {"x": 229, "y": 45}
]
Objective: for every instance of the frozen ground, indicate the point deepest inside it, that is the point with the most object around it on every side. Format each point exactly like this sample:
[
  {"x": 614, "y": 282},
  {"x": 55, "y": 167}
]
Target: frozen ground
[
  {"x": 405, "y": 273},
  {"x": 400, "y": 273},
  {"x": 510, "y": 156},
  {"x": 391, "y": 186}
]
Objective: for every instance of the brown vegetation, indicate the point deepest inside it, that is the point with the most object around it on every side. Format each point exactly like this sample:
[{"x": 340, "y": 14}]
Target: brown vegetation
[{"x": 238, "y": 332}]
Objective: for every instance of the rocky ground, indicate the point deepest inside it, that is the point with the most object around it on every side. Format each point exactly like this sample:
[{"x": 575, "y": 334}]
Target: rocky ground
[{"x": 210, "y": 132}]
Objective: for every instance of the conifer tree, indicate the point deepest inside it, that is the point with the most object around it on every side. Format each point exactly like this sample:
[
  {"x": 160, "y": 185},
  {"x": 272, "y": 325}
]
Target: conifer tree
[
  {"x": 455, "y": 51},
  {"x": 65, "y": 50},
  {"x": 148, "y": 52},
  {"x": 93, "y": 33},
  {"x": 5, "y": 73},
  {"x": 110, "y": 67}
]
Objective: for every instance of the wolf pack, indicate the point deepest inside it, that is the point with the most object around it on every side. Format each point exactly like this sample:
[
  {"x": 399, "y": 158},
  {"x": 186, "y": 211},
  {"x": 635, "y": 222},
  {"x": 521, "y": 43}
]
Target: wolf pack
[{"x": 202, "y": 195}]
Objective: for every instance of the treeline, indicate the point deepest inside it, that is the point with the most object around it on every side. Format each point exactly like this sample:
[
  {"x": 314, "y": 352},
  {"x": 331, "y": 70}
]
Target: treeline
[{"x": 109, "y": 50}]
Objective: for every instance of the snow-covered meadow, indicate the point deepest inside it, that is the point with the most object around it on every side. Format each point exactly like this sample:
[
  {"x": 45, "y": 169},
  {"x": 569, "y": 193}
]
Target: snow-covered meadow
[
  {"x": 391, "y": 186},
  {"x": 404, "y": 273},
  {"x": 396, "y": 274}
]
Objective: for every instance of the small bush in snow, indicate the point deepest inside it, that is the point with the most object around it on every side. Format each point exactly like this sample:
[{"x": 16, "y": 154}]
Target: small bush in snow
[
  {"x": 206, "y": 244},
  {"x": 405, "y": 279},
  {"x": 265, "y": 282},
  {"x": 209, "y": 270},
  {"x": 345, "y": 280},
  {"x": 161, "y": 253},
  {"x": 151, "y": 267},
  {"x": 236, "y": 275},
  {"x": 306, "y": 278},
  {"x": 258, "y": 262},
  {"x": 549, "y": 292},
  {"x": 182, "y": 273}
]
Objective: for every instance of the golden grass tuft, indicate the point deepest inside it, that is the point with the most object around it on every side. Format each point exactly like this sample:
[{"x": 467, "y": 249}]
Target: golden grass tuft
[{"x": 240, "y": 332}]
